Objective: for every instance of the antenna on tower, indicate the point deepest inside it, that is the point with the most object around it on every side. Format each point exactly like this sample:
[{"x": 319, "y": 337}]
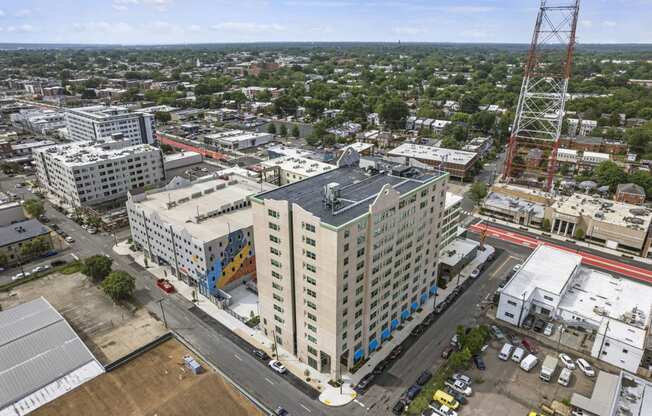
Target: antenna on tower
[{"x": 534, "y": 141}]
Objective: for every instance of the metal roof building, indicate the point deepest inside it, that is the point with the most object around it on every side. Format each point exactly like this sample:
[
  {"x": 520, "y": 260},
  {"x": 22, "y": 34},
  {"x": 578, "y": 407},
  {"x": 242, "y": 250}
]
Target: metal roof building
[{"x": 41, "y": 357}]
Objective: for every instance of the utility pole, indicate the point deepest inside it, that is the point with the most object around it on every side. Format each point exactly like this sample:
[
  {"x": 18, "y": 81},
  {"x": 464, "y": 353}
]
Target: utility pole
[
  {"x": 520, "y": 315},
  {"x": 160, "y": 303},
  {"x": 275, "y": 346}
]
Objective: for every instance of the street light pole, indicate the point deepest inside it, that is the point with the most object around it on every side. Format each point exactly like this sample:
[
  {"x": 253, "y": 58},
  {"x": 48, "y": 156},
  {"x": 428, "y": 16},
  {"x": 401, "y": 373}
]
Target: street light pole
[{"x": 160, "y": 303}]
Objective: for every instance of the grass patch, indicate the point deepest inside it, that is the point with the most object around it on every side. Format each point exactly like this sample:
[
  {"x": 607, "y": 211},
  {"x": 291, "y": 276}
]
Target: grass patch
[
  {"x": 253, "y": 321},
  {"x": 70, "y": 268}
]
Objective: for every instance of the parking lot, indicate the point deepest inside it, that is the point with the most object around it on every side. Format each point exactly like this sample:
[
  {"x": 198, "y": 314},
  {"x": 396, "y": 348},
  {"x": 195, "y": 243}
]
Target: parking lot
[{"x": 505, "y": 389}]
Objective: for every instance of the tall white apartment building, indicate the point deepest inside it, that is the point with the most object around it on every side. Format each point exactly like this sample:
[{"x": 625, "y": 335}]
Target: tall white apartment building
[
  {"x": 451, "y": 219},
  {"x": 98, "y": 172},
  {"x": 101, "y": 123},
  {"x": 202, "y": 229},
  {"x": 344, "y": 257}
]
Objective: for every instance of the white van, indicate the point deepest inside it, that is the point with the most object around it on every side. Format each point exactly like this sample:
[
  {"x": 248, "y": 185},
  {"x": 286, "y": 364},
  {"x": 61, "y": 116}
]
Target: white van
[
  {"x": 529, "y": 362},
  {"x": 564, "y": 377},
  {"x": 518, "y": 354},
  {"x": 505, "y": 352}
]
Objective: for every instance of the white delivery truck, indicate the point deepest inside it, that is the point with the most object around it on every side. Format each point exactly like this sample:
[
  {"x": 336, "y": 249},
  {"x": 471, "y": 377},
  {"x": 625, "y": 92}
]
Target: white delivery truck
[
  {"x": 505, "y": 352},
  {"x": 564, "y": 377},
  {"x": 548, "y": 367},
  {"x": 529, "y": 362}
]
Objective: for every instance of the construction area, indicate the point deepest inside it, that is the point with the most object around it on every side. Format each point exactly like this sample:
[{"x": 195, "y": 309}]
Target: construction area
[
  {"x": 156, "y": 382},
  {"x": 109, "y": 330}
]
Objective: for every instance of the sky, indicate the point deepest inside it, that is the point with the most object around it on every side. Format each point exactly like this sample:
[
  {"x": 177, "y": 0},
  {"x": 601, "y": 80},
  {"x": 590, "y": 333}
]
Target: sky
[{"x": 218, "y": 21}]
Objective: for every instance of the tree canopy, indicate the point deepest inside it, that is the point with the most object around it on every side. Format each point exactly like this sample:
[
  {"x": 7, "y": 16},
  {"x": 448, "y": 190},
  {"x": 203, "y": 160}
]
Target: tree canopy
[
  {"x": 119, "y": 285},
  {"x": 97, "y": 267}
]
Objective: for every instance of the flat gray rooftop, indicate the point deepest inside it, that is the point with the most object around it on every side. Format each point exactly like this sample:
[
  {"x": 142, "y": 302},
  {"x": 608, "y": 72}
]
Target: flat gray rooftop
[
  {"x": 357, "y": 191},
  {"x": 21, "y": 231}
]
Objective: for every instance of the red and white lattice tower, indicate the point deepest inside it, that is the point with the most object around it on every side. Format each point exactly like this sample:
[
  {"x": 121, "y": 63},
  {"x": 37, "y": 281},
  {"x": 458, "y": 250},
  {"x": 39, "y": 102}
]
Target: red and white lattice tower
[{"x": 532, "y": 149}]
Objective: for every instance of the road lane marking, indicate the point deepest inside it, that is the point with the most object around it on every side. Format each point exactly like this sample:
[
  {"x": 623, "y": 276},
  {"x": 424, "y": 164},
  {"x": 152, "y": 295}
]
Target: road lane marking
[
  {"x": 360, "y": 403},
  {"x": 235, "y": 355},
  {"x": 307, "y": 410},
  {"x": 74, "y": 256},
  {"x": 269, "y": 381}
]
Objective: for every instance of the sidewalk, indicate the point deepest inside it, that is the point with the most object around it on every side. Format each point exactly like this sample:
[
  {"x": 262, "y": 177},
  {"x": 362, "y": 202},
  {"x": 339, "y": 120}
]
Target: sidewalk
[{"x": 584, "y": 244}]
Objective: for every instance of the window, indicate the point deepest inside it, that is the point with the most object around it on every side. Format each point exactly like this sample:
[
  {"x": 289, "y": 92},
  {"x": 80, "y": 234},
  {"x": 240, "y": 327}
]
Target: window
[
  {"x": 279, "y": 319},
  {"x": 548, "y": 298},
  {"x": 311, "y": 305},
  {"x": 312, "y": 317},
  {"x": 274, "y": 227},
  {"x": 275, "y": 251},
  {"x": 276, "y": 263},
  {"x": 276, "y": 275},
  {"x": 277, "y": 287},
  {"x": 310, "y": 267},
  {"x": 310, "y": 280},
  {"x": 310, "y": 242},
  {"x": 278, "y": 308},
  {"x": 277, "y": 297},
  {"x": 274, "y": 214},
  {"x": 311, "y": 293},
  {"x": 311, "y": 255},
  {"x": 274, "y": 239},
  {"x": 511, "y": 302},
  {"x": 509, "y": 315},
  {"x": 309, "y": 227}
]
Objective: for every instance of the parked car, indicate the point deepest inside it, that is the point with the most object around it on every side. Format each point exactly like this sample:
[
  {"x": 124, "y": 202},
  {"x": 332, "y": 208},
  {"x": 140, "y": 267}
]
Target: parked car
[
  {"x": 428, "y": 320},
  {"x": 529, "y": 345},
  {"x": 261, "y": 355},
  {"x": 567, "y": 361},
  {"x": 455, "y": 340},
  {"x": 447, "y": 352},
  {"x": 497, "y": 333},
  {"x": 399, "y": 407},
  {"x": 548, "y": 329},
  {"x": 277, "y": 366},
  {"x": 539, "y": 324},
  {"x": 41, "y": 268},
  {"x": 418, "y": 330},
  {"x": 21, "y": 275},
  {"x": 70, "y": 240},
  {"x": 585, "y": 367},
  {"x": 165, "y": 285},
  {"x": 518, "y": 354},
  {"x": 381, "y": 367},
  {"x": 479, "y": 362},
  {"x": 516, "y": 268},
  {"x": 460, "y": 397},
  {"x": 364, "y": 383},
  {"x": 396, "y": 352},
  {"x": 475, "y": 273},
  {"x": 528, "y": 322},
  {"x": 92, "y": 230},
  {"x": 281, "y": 412},
  {"x": 413, "y": 392},
  {"x": 424, "y": 377},
  {"x": 463, "y": 378},
  {"x": 57, "y": 263}
]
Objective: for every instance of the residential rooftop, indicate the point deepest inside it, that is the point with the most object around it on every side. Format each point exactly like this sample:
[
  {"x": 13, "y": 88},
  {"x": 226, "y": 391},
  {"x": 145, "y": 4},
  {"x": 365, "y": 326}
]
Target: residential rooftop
[
  {"x": 456, "y": 251},
  {"x": 207, "y": 208},
  {"x": 452, "y": 199},
  {"x": 82, "y": 153},
  {"x": 234, "y": 135},
  {"x": 357, "y": 190},
  {"x": 21, "y": 231},
  {"x": 100, "y": 112},
  {"x": 604, "y": 210},
  {"x": 547, "y": 268},
  {"x": 505, "y": 202},
  {"x": 298, "y": 165},
  {"x": 437, "y": 154}
]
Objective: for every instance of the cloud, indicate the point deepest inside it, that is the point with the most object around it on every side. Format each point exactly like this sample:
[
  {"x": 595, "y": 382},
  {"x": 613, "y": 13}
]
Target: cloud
[
  {"x": 323, "y": 3},
  {"x": 2, "y": 12},
  {"x": 194, "y": 28},
  {"x": 160, "y": 5},
  {"x": 103, "y": 27},
  {"x": 474, "y": 34},
  {"x": 23, "y": 13},
  {"x": 408, "y": 30},
  {"x": 248, "y": 27},
  {"x": 609, "y": 23},
  {"x": 20, "y": 29},
  {"x": 586, "y": 23}
]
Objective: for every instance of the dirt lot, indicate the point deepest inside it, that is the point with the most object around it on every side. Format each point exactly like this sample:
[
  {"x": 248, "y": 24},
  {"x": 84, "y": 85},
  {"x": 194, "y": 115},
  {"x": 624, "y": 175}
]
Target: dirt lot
[
  {"x": 503, "y": 388},
  {"x": 156, "y": 383},
  {"x": 110, "y": 331}
]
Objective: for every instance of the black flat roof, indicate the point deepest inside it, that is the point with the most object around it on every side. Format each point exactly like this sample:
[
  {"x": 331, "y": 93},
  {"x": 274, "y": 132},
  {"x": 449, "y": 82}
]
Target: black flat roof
[{"x": 357, "y": 189}]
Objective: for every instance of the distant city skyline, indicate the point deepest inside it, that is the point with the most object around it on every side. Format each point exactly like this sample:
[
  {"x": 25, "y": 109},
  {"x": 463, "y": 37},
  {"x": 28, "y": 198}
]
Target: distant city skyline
[{"x": 222, "y": 21}]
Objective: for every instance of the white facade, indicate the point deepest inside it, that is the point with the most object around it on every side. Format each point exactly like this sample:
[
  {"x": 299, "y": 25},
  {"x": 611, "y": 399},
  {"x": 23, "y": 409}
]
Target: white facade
[
  {"x": 334, "y": 282},
  {"x": 451, "y": 219},
  {"x": 101, "y": 123},
  {"x": 239, "y": 139},
  {"x": 94, "y": 173},
  {"x": 292, "y": 168},
  {"x": 203, "y": 229},
  {"x": 619, "y": 344}
]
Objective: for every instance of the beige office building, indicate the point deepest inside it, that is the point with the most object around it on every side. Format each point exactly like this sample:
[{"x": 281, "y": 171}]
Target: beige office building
[{"x": 343, "y": 257}]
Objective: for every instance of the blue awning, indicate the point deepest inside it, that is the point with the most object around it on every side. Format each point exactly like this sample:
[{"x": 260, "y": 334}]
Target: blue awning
[
  {"x": 433, "y": 290},
  {"x": 394, "y": 323},
  {"x": 386, "y": 332},
  {"x": 358, "y": 355},
  {"x": 373, "y": 345},
  {"x": 415, "y": 306},
  {"x": 424, "y": 297},
  {"x": 405, "y": 314}
]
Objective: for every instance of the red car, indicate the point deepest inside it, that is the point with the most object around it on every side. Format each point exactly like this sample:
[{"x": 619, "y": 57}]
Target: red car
[
  {"x": 165, "y": 285},
  {"x": 528, "y": 344}
]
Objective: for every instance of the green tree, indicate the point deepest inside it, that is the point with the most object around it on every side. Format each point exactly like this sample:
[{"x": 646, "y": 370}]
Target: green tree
[
  {"x": 483, "y": 121},
  {"x": 546, "y": 224},
  {"x": 35, "y": 247},
  {"x": 295, "y": 131},
  {"x": 478, "y": 191},
  {"x": 469, "y": 103},
  {"x": 353, "y": 110},
  {"x": 284, "y": 130},
  {"x": 118, "y": 285},
  {"x": 162, "y": 116},
  {"x": 34, "y": 207},
  {"x": 4, "y": 260},
  {"x": 97, "y": 267},
  {"x": 609, "y": 173},
  {"x": 642, "y": 179},
  {"x": 579, "y": 234},
  {"x": 394, "y": 111},
  {"x": 271, "y": 128},
  {"x": 449, "y": 142},
  {"x": 639, "y": 140}
]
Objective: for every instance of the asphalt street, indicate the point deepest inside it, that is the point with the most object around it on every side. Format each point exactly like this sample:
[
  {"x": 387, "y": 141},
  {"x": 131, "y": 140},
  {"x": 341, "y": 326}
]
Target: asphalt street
[{"x": 425, "y": 351}]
